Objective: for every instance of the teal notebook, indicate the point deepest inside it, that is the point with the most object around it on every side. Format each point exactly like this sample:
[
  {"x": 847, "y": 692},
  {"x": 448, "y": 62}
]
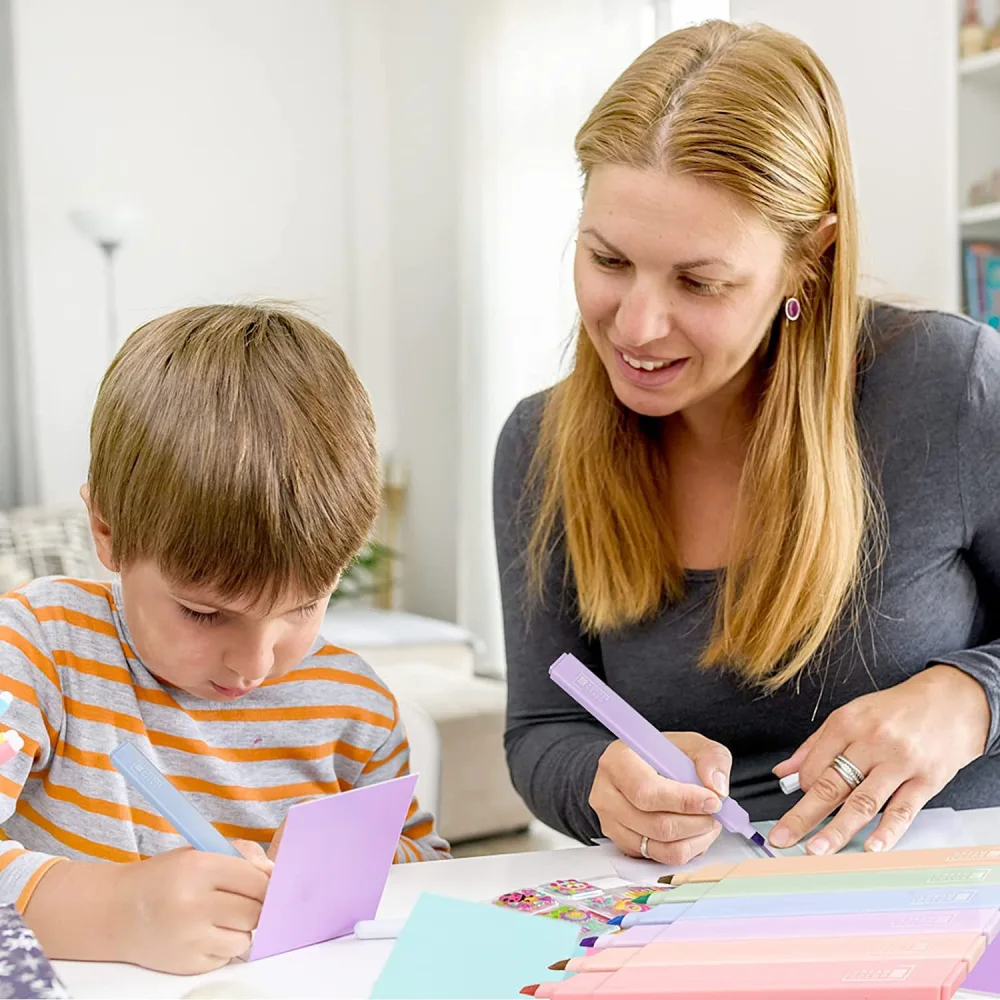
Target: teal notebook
[{"x": 451, "y": 949}]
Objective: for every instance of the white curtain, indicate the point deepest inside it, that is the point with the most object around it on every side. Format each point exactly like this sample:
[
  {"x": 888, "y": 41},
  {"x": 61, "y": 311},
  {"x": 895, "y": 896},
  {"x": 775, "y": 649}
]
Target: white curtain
[
  {"x": 18, "y": 480},
  {"x": 536, "y": 70}
]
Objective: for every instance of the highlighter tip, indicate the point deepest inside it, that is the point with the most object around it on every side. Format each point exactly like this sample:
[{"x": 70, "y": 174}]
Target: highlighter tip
[
  {"x": 588, "y": 942},
  {"x": 529, "y": 991},
  {"x": 759, "y": 840},
  {"x": 559, "y": 966},
  {"x": 666, "y": 880}
]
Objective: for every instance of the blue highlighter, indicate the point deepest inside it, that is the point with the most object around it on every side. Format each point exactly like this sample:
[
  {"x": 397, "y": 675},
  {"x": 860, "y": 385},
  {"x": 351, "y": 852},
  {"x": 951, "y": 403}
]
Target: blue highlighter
[{"x": 144, "y": 776}]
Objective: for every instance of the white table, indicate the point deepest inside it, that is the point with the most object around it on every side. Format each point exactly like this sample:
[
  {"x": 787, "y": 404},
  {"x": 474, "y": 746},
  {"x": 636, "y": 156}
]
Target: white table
[{"x": 347, "y": 967}]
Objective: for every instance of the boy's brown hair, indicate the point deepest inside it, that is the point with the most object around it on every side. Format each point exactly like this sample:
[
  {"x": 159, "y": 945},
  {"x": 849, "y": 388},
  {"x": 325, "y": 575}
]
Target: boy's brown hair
[{"x": 234, "y": 445}]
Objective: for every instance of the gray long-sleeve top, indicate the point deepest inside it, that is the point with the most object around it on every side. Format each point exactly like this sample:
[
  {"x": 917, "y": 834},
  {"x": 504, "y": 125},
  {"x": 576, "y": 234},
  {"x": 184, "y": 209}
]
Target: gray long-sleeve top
[{"x": 928, "y": 406}]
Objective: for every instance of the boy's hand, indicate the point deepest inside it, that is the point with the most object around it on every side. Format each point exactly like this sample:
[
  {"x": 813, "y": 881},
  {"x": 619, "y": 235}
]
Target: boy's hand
[
  {"x": 190, "y": 911},
  {"x": 272, "y": 848}
]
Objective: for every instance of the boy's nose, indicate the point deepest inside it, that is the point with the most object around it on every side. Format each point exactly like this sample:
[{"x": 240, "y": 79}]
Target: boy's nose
[{"x": 252, "y": 665}]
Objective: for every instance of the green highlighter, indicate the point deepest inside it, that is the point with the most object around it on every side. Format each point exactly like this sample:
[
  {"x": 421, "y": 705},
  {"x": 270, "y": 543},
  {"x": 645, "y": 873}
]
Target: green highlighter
[{"x": 789, "y": 885}]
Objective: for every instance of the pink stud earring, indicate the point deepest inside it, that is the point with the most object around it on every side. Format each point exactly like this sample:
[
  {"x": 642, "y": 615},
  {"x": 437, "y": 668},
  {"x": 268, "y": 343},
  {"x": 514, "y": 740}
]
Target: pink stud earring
[{"x": 793, "y": 308}]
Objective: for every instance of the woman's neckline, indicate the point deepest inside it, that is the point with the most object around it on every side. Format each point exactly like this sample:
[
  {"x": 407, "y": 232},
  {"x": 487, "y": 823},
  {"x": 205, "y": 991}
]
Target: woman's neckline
[{"x": 703, "y": 574}]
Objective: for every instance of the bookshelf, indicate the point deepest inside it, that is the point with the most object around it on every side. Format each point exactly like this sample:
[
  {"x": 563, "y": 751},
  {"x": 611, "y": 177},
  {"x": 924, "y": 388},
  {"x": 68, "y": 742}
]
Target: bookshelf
[{"x": 978, "y": 94}]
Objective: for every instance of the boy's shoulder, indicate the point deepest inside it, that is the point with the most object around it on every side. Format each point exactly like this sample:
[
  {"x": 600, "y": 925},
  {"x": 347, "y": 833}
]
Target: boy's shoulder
[
  {"x": 330, "y": 674},
  {"x": 60, "y": 599}
]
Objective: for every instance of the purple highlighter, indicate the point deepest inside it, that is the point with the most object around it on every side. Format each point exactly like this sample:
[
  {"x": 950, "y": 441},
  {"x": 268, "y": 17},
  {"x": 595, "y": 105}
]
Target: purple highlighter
[
  {"x": 981, "y": 921},
  {"x": 821, "y": 904},
  {"x": 640, "y": 736}
]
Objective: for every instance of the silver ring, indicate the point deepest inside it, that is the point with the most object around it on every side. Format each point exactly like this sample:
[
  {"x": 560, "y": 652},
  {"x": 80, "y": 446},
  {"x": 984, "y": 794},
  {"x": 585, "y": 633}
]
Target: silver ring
[
  {"x": 849, "y": 771},
  {"x": 644, "y": 848}
]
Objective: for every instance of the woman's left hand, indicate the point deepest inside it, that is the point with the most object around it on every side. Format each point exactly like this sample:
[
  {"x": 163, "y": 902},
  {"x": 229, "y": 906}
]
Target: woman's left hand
[{"x": 908, "y": 741}]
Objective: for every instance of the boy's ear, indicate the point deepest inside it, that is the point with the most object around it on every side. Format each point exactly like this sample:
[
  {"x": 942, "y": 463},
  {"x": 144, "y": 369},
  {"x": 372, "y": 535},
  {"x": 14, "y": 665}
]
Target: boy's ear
[{"x": 100, "y": 531}]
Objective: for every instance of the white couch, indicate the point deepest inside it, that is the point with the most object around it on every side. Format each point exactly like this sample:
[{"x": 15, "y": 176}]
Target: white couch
[{"x": 430, "y": 666}]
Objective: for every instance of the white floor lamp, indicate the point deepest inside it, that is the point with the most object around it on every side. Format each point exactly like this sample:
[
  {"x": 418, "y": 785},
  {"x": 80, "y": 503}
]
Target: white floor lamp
[{"x": 107, "y": 229}]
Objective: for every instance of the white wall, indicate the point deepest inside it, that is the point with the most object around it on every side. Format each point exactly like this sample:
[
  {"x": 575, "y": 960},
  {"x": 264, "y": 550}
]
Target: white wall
[
  {"x": 222, "y": 122},
  {"x": 529, "y": 93},
  {"x": 895, "y": 64},
  {"x": 406, "y": 85}
]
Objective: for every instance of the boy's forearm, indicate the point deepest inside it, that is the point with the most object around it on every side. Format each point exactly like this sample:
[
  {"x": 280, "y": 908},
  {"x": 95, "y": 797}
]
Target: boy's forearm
[{"x": 73, "y": 912}]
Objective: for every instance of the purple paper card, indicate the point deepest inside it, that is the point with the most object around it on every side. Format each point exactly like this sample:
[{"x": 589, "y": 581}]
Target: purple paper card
[
  {"x": 332, "y": 865},
  {"x": 985, "y": 974}
]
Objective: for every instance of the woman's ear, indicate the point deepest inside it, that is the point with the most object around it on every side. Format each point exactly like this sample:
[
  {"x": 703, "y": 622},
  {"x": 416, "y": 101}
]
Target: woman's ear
[
  {"x": 825, "y": 234},
  {"x": 100, "y": 531}
]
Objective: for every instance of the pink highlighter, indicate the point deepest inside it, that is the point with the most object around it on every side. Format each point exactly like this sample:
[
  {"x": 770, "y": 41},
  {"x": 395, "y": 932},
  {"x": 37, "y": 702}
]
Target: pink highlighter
[
  {"x": 933, "y": 979},
  {"x": 892, "y": 947}
]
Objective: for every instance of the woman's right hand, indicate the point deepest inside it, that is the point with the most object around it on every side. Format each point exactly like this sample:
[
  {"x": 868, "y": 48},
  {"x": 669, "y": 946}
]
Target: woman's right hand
[{"x": 633, "y": 801}]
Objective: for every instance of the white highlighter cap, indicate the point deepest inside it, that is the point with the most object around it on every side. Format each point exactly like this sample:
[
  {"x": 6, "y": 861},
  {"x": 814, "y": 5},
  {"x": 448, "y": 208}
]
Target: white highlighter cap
[
  {"x": 790, "y": 783},
  {"x": 14, "y": 739}
]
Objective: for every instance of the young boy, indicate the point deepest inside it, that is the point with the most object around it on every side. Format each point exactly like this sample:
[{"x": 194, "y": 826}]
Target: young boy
[{"x": 233, "y": 476}]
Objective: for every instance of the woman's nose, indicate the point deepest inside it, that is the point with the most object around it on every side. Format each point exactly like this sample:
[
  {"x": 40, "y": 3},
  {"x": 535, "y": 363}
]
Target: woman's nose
[{"x": 643, "y": 318}]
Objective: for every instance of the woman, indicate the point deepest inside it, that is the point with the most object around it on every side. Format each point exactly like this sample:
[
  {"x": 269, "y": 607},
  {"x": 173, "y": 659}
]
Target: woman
[{"x": 765, "y": 511}]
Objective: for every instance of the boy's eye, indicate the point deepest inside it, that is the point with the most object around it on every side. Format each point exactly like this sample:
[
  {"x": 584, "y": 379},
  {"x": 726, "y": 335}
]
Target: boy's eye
[
  {"x": 306, "y": 610},
  {"x": 205, "y": 617}
]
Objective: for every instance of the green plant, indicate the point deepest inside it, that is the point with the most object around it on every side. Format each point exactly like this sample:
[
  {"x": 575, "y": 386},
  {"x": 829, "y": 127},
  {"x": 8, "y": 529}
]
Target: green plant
[{"x": 369, "y": 574}]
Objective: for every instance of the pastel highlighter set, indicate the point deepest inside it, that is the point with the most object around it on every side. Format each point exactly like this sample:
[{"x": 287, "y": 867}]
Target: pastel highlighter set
[{"x": 907, "y": 932}]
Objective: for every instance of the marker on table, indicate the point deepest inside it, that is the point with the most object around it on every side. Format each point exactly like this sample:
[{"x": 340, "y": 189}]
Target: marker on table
[
  {"x": 637, "y": 733},
  {"x": 375, "y": 930},
  {"x": 790, "y": 783},
  {"x": 144, "y": 776}
]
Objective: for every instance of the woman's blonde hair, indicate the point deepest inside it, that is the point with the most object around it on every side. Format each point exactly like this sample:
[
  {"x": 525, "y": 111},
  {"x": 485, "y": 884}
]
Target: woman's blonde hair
[{"x": 755, "y": 112}]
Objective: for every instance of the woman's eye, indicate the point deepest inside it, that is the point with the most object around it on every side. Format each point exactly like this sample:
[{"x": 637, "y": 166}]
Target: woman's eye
[
  {"x": 702, "y": 287},
  {"x": 610, "y": 263}
]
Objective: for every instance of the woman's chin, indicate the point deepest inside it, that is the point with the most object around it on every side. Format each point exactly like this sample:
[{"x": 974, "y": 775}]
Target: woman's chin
[{"x": 662, "y": 402}]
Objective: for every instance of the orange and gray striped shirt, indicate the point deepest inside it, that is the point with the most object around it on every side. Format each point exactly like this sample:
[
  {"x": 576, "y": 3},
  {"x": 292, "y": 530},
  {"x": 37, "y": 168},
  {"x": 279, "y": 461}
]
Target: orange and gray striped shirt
[{"x": 79, "y": 689}]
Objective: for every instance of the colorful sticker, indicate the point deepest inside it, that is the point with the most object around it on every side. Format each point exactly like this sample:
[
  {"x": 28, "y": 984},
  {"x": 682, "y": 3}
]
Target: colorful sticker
[
  {"x": 614, "y": 902},
  {"x": 631, "y": 891},
  {"x": 570, "y": 887},
  {"x": 525, "y": 900},
  {"x": 586, "y": 919}
]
